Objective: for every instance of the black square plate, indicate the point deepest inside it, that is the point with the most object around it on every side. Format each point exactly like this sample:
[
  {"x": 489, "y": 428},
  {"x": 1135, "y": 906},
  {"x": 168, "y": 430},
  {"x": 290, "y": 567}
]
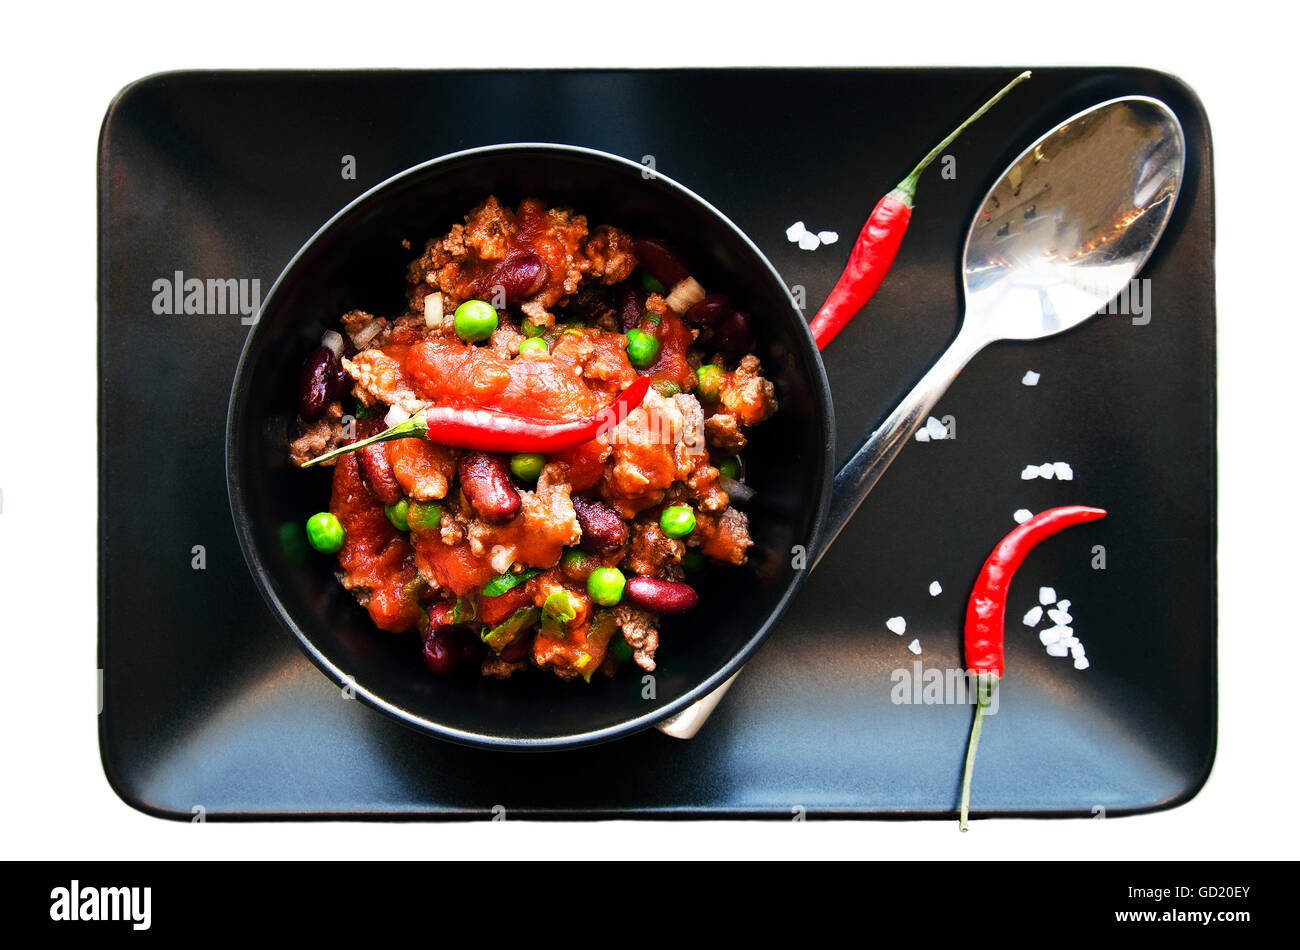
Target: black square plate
[{"x": 208, "y": 704}]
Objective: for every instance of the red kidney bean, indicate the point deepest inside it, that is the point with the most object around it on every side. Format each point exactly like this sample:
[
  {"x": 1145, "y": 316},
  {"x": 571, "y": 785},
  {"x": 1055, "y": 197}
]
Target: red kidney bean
[
  {"x": 709, "y": 310},
  {"x": 603, "y": 528},
  {"x": 733, "y": 335},
  {"x": 517, "y": 650},
  {"x": 659, "y": 597},
  {"x": 630, "y": 304},
  {"x": 317, "y": 381},
  {"x": 378, "y": 473},
  {"x": 441, "y": 652},
  {"x": 486, "y": 483},
  {"x": 341, "y": 382},
  {"x": 520, "y": 277},
  {"x": 661, "y": 261}
]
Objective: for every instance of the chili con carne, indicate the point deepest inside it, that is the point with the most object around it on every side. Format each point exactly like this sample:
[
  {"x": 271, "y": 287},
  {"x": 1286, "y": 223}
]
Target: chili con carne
[
  {"x": 877, "y": 244},
  {"x": 986, "y": 615}
]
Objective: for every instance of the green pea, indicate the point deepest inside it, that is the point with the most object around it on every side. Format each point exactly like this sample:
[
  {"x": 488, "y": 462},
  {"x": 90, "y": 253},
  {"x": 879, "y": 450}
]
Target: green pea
[
  {"x": 526, "y": 466},
  {"x": 325, "y": 533},
  {"x": 709, "y": 382},
  {"x": 693, "y": 562},
  {"x": 532, "y": 329},
  {"x": 397, "y": 514},
  {"x": 605, "y": 585},
  {"x": 730, "y": 466},
  {"x": 475, "y": 320},
  {"x": 642, "y": 349},
  {"x": 652, "y": 283},
  {"x": 534, "y": 346},
  {"x": 424, "y": 517},
  {"x": 666, "y": 388},
  {"x": 677, "y": 521},
  {"x": 577, "y": 564}
]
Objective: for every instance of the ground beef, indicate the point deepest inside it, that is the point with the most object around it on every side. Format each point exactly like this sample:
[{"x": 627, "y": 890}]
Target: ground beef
[
  {"x": 652, "y": 551},
  {"x": 723, "y": 537},
  {"x": 379, "y": 378},
  {"x": 609, "y": 255},
  {"x": 746, "y": 394},
  {"x": 723, "y": 432},
  {"x": 319, "y": 436},
  {"x": 424, "y": 470},
  {"x": 641, "y": 634}
]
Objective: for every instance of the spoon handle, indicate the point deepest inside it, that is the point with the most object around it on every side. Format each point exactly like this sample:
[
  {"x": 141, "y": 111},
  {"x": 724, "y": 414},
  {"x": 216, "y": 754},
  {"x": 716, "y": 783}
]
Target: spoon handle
[
  {"x": 861, "y": 472},
  {"x": 858, "y": 476}
]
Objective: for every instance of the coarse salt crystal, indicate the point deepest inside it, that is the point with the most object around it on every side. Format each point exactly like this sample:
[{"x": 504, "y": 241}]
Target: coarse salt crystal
[
  {"x": 896, "y": 625},
  {"x": 1063, "y": 471},
  {"x": 808, "y": 241},
  {"x": 828, "y": 237},
  {"x": 1035, "y": 614},
  {"x": 1063, "y": 605},
  {"x": 922, "y": 435},
  {"x": 1057, "y": 649},
  {"x": 1022, "y": 515},
  {"x": 1059, "y": 616},
  {"x": 1061, "y": 634},
  {"x": 1028, "y": 472},
  {"x": 1047, "y": 470},
  {"x": 1030, "y": 379},
  {"x": 935, "y": 588},
  {"x": 1081, "y": 663},
  {"x": 1046, "y": 595},
  {"x": 1076, "y": 649},
  {"x": 915, "y": 647},
  {"x": 936, "y": 428},
  {"x": 1071, "y": 642},
  {"x": 795, "y": 231},
  {"x": 1048, "y": 636}
]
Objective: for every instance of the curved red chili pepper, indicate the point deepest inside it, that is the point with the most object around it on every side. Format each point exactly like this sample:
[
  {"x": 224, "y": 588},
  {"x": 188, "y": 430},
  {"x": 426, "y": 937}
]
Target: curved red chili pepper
[
  {"x": 986, "y": 610},
  {"x": 877, "y": 244},
  {"x": 986, "y": 613},
  {"x": 872, "y": 255},
  {"x": 493, "y": 431}
]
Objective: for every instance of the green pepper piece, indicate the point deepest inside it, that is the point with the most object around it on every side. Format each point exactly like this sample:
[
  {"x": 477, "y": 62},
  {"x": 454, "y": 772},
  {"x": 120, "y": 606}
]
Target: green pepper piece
[
  {"x": 504, "y": 582},
  {"x": 511, "y": 629}
]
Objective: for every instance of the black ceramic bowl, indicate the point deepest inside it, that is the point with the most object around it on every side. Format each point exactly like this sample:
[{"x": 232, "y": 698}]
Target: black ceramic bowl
[{"x": 357, "y": 261}]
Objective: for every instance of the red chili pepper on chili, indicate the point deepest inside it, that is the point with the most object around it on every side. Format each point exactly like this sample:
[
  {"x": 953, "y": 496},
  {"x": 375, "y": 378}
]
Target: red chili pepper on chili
[
  {"x": 493, "y": 431},
  {"x": 986, "y": 615},
  {"x": 877, "y": 244}
]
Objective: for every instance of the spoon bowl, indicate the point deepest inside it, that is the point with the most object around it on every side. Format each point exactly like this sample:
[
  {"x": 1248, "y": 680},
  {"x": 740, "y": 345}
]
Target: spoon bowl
[{"x": 1073, "y": 219}]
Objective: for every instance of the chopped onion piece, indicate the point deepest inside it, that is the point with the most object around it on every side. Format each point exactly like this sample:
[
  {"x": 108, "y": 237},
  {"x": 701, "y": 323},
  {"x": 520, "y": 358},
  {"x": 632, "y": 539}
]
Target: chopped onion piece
[
  {"x": 433, "y": 309},
  {"x": 368, "y": 332},
  {"x": 333, "y": 341},
  {"x": 395, "y": 415},
  {"x": 739, "y": 492},
  {"x": 685, "y": 295}
]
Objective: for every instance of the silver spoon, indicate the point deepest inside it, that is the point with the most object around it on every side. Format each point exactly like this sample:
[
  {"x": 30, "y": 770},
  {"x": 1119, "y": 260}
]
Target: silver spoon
[{"x": 1064, "y": 230}]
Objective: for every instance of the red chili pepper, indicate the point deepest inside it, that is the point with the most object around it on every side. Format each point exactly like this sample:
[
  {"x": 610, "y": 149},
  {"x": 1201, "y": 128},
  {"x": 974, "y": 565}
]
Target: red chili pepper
[
  {"x": 491, "y": 431},
  {"x": 877, "y": 244},
  {"x": 986, "y": 615}
]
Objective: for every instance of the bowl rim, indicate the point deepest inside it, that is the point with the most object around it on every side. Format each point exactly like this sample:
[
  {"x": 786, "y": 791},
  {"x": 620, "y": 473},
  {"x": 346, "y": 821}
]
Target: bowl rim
[{"x": 819, "y": 387}]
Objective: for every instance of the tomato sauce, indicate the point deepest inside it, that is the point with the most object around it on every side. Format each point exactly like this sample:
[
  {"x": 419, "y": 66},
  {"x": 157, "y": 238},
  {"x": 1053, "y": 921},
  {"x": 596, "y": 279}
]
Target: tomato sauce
[{"x": 375, "y": 555}]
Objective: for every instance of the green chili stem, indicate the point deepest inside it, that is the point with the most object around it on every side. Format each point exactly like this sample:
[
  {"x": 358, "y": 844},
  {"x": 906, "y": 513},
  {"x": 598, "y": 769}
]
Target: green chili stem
[
  {"x": 412, "y": 428},
  {"x": 906, "y": 190},
  {"x": 986, "y": 684}
]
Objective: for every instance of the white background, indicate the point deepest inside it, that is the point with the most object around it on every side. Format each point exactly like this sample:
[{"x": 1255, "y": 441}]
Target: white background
[{"x": 62, "y": 65}]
